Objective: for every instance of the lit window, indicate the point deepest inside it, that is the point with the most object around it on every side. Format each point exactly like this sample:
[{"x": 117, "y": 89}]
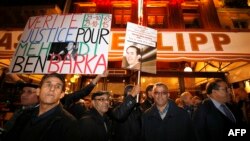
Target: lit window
[
  {"x": 122, "y": 13},
  {"x": 156, "y": 14},
  {"x": 191, "y": 15}
]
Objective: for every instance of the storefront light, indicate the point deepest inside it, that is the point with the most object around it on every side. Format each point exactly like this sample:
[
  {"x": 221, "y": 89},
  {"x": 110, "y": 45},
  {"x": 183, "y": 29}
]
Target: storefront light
[
  {"x": 76, "y": 76},
  {"x": 187, "y": 68},
  {"x": 247, "y": 84},
  {"x": 72, "y": 80}
]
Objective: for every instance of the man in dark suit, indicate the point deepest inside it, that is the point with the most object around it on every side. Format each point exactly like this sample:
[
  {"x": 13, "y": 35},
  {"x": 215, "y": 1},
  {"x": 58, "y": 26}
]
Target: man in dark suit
[{"x": 213, "y": 119}]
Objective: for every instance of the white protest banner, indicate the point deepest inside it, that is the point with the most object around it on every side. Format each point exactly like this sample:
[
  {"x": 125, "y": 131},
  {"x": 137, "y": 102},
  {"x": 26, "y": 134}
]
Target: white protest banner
[
  {"x": 67, "y": 44},
  {"x": 140, "y": 48}
]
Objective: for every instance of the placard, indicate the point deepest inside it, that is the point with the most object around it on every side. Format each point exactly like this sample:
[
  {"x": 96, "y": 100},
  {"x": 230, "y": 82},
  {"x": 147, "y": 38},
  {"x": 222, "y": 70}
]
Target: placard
[{"x": 67, "y": 44}]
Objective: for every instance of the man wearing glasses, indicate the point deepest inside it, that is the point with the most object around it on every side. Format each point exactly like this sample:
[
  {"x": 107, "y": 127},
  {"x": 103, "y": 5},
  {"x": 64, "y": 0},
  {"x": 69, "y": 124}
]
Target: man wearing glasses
[
  {"x": 95, "y": 126},
  {"x": 213, "y": 119},
  {"x": 165, "y": 120}
]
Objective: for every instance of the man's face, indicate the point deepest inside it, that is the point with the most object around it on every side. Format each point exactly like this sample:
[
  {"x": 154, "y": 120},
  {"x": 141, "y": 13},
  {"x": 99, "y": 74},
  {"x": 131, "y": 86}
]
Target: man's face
[
  {"x": 188, "y": 100},
  {"x": 223, "y": 93},
  {"x": 51, "y": 91},
  {"x": 101, "y": 103},
  {"x": 29, "y": 96},
  {"x": 132, "y": 57},
  {"x": 160, "y": 96}
]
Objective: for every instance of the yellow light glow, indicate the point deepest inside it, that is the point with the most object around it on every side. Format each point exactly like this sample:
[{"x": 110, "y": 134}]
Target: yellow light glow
[
  {"x": 76, "y": 76},
  {"x": 143, "y": 80},
  {"x": 72, "y": 80},
  {"x": 247, "y": 85}
]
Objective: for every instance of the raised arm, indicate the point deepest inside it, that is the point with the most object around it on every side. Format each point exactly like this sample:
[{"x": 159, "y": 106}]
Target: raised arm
[
  {"x": 77, "y": 95},
  {"x": 122, "y": 111}
]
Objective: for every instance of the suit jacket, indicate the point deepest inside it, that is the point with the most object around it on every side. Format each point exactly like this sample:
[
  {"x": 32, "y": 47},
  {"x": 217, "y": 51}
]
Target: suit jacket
[{"x": 211, "y": 124}]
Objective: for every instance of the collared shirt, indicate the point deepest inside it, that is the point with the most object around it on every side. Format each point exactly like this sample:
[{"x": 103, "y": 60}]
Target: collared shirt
[
  {"x": 219, "y": 107},
  {"x": 164, "y": 112}
]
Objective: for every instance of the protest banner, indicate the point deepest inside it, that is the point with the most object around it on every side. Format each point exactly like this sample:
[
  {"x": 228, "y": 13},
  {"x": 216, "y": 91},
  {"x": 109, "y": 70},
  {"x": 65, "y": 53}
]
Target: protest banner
[
  {"x": 67, "y": 44},
  {"x": 140, "y": 48}
]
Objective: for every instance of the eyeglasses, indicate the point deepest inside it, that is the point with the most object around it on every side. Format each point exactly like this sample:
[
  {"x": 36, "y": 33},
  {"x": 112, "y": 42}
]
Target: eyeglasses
[
  {"x": 102, "y": 99},
  {"x": 160, "y": 93}
]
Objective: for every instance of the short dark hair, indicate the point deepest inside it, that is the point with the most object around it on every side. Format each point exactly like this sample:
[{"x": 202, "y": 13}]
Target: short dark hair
[
  {"x": 149, "y": 88},
  {"x": 138, "y": 51},
  {"x": 59, "y": 76},
  {"x": 99, "y": 93},
  {"x": 160, "y": 84},
  {"x": 213, "y": 85}
]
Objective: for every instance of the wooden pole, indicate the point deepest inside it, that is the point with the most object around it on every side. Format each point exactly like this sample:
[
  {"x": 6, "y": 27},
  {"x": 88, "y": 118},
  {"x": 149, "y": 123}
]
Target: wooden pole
[{"x": 140, "y": 22}]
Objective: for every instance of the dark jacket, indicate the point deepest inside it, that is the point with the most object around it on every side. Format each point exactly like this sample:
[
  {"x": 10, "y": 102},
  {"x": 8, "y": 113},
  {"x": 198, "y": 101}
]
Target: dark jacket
[
  {"x": 211, "y": 124},
  {"x": 127, "y": 120},
  {"x": 148, "y": 103},
  {"x": 92, "y": 127},
  {"x": 176, "y": 125},
  {"x": 55, "y": 124},
  {"x": 69, "y": 101},
  {"x": 10, "y": 123}
]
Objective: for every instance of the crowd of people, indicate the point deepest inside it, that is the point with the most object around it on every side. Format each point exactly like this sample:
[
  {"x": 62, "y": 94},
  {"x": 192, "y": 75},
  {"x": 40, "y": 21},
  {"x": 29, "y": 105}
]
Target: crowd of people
[{"x": 47, "y": 114}]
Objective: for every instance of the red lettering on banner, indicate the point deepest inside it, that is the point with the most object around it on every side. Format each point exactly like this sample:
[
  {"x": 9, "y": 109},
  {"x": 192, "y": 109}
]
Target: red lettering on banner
[
  {"x": 54, "y": 63},
  {"x": 38, "y": 23},
  {"x": 47, "y": 19},
  {"x": 87, "y": 62},
  {"x": 67, "y": 61},
  {"x": 78, "y": 62},
  {"x": 101, "y": 62},
  {"x": 83, "y": 64},
  {"x": 32, "y": 23}
]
